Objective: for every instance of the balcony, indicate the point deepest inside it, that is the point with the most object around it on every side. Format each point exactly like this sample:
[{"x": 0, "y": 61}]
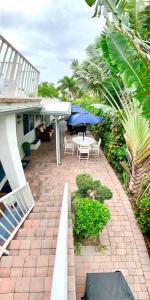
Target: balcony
[{"x": 18, "y": 77}]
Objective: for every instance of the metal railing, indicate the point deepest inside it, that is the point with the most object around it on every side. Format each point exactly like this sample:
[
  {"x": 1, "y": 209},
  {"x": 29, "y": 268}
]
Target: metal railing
[
  {"x": 14, "y": 208},
  {"x": 59, "y": 280},
  {"x": 18, "y": 77}
]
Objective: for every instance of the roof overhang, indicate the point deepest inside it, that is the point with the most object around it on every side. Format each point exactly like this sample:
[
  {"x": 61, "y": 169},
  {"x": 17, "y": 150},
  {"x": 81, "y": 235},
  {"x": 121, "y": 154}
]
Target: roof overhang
[
  {"x": 52, "y": 106},
  {"x": 55, "y": 108}
]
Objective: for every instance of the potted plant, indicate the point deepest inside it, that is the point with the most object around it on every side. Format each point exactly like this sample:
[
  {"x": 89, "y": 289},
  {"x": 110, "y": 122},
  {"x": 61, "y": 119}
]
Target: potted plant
[{"x": 26, "y": 148}]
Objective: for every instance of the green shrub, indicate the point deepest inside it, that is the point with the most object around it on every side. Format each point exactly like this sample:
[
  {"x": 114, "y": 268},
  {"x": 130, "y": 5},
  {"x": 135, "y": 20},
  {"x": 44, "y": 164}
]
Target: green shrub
[
  {"x": 90, "y": 217},
  {"x": 84, "y": 183},
  {"x": 75, "y": 194},
  {"x": 101, "y": 192},
  {"x": 96, "y": 184},
  {"x": 111, "y": 132},
  {"x": 143, "y": 213}
]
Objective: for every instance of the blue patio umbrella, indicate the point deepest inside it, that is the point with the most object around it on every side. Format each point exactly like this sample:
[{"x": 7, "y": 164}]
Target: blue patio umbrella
[
  {"x": 78, "y": 109},
  {"x": 85, "y": 118}
]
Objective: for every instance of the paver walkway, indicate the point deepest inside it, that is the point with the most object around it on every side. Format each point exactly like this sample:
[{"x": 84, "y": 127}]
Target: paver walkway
[{"x": 28, "y": 269}]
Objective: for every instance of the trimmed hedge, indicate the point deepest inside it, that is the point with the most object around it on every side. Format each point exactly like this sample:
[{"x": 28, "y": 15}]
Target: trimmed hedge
[{"x": 90, "y": 217}]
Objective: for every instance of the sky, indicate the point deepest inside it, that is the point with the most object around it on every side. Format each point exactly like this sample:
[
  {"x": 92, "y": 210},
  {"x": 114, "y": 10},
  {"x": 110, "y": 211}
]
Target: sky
[{"x": 49, "y": 33}]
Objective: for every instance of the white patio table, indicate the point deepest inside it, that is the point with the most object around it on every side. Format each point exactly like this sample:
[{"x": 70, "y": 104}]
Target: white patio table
[{"x": 87, "y": 141}]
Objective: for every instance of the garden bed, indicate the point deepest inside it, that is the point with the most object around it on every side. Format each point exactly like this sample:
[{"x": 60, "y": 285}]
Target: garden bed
[{"x": 90, "y": 214}]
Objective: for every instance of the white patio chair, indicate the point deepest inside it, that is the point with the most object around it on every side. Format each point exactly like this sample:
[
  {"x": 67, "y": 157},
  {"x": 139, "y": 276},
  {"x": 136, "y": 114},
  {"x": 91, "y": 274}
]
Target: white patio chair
[
  {"x": 95, "y": 149},
  {"x": 69, "y": 147},
  {"x": 83, "y": 152}
]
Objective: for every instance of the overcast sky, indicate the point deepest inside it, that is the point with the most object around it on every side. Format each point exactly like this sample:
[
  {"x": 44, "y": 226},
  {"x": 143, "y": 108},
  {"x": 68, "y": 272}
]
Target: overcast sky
[{"x": 49, "y": 33}]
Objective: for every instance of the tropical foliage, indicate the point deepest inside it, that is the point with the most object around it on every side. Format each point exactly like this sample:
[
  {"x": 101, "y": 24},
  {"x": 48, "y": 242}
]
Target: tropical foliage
[
  {"x": 117, "y": 69},
  {"x": 68, "y": 88},
  {"x": 111, "y": 132},
  {"x": 46, "y": 89},
  {"x": 126, "y": 42},
  {"x": 143, "y": 206}
]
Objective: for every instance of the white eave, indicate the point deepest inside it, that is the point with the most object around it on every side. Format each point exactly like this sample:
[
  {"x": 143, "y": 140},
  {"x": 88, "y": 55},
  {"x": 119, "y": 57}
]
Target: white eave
[
  {"x": 42, "y": 106},
  {"x": 16, "y": 104},
  {"x": 55, "y": 108}
]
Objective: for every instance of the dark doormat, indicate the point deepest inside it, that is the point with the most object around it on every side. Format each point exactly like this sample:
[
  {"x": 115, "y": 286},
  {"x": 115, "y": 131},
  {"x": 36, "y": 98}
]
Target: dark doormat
[
  {"x": 6, "y": 188},
  {"x": 25, "y": 162}
]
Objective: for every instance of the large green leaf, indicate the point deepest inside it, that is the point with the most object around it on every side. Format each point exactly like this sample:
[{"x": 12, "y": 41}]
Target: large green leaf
[
  {"x": 139, "y": 16},
  {"x": 146, "y": 108},
  {"x": 90, "y": 2},
  {"x": 134, "y": 8},
  {"x": 124, "y": 56},
  {"x": 102, "y": 43}
]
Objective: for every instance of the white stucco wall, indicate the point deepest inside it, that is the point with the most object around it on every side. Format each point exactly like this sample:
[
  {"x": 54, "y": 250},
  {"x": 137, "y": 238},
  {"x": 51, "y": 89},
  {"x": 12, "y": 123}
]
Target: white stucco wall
[
  {"x": 21, "y": 138},
  {"x": 29, "y": 137}
]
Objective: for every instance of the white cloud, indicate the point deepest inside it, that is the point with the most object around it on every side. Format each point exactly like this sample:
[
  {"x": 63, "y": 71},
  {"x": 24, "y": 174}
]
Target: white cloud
[{"x": 49, "y": 33}]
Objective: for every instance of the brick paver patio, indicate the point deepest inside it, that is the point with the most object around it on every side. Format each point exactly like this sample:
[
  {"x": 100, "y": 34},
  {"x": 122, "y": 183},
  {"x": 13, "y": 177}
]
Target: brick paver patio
[{"x": 26, "y": 273}]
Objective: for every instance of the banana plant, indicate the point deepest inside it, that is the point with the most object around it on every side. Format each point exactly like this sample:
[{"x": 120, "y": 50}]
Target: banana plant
[
  {"x": 137, "y": 133},
  {"x": 123, "y": 60},
  {"x": 137, "y": 136},
  {"x": 132, "y": 18}
]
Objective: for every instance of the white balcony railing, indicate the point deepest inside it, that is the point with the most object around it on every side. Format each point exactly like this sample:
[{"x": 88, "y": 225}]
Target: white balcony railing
[
  {"x": 14, "y": 208},
  {"x": 18, "y": 77},
  {"x": 59, "y": 280}
]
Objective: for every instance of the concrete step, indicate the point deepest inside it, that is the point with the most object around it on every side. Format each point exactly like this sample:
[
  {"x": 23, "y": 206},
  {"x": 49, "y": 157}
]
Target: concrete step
[
  {"x": 32, "y": 222},
  {"x": 44, "y": 215},
  {"x": 37, "y": 233},
  {"x": 25, "y": 288}
]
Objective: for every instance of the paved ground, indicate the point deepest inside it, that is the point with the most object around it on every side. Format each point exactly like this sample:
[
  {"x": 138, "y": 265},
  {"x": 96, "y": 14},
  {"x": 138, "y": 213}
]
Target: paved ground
[{"x": 27, "y": 271}]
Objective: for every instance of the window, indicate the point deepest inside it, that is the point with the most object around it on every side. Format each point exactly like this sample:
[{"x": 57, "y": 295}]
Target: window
[
  {"x": 28, "y": 123},
  {"x": 25, "y": 123},
  {"x": 31, "y": 122}
]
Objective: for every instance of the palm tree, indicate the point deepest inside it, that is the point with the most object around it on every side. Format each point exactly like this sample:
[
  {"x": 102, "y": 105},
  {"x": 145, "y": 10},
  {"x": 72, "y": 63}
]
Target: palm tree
[
  {"x": 68, "y": 87},
  {"x": 90, "y": 72}
]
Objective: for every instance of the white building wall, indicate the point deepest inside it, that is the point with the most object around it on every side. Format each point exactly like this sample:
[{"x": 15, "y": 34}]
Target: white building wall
[
  {"x": 21, "y": 138},
  {"x": 9, "y": 153},
  {"x": 29, "y": 137}
]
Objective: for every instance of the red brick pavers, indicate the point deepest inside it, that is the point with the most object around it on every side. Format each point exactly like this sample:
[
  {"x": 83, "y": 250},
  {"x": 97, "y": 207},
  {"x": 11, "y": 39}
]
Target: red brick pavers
[{"x": 26, "y": 273}]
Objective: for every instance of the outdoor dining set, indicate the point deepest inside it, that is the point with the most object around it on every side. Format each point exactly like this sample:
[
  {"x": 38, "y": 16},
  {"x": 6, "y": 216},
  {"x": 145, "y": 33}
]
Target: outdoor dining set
[{"x": 83, "y": 146}]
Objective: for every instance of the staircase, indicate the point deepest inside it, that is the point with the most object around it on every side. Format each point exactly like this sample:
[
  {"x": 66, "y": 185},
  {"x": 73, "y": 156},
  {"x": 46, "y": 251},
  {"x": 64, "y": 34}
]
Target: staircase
[{"x": 26, "y": 273}]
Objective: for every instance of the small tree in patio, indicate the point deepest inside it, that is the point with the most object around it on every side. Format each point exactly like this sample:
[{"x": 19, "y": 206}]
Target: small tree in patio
[{"x": 91, "y": 189}]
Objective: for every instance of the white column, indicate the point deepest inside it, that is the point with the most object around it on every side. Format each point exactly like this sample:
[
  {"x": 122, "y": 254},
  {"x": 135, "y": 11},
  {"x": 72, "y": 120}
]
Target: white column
[
  {"x": 9, "y": 152},
  {"x": 57, "y": 142}
]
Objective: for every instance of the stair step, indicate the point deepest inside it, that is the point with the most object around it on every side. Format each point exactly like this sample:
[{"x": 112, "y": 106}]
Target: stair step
[
  {"x": 51, "y": 209},
  {"x": 33, "y": 232},
  {"x": 32, "y": 285},
  {"x": 44, "y": 215},
  {"x": 28, "y": 244},
  {"x": 32, "y": 222}
]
